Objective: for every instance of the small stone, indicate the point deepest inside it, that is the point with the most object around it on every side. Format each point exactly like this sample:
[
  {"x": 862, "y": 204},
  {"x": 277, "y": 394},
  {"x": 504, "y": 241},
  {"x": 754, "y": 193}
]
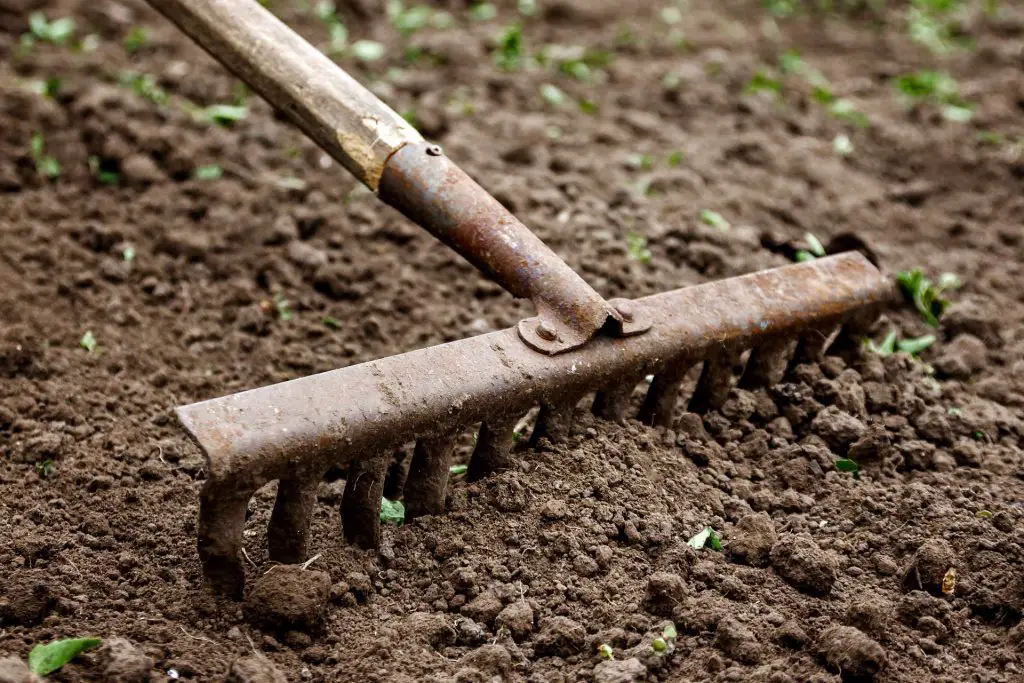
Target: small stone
[
  {"x": 620, "y": 671},
  {"x": 851, "y": 652},
  {"x": 804, "y": 565},
  {"x": 752, "y": 539},
  {"x": 554, "y": 509},
  {"x": 289, "y": 597},
  {"x": 255, "y": 669},
  {"x": 928, "y": 566},
  {"x": 559, "y": 637},
  {"x": 604, "y": 556},
  {"x": 13, "y": 670},
  {"x": 664, "y": 591},
  {"x": 306, "y": 255},
  {"x": 517, "y": 618},
  {"x": 585, "y": 565}
]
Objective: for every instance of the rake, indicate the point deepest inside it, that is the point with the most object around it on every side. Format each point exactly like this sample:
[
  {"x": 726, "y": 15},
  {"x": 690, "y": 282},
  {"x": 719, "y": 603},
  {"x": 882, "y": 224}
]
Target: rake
[{"x": 578, "y": 343}]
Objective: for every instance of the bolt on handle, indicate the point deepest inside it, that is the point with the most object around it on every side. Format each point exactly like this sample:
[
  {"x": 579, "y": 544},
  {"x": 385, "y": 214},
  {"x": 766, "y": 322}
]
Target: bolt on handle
[{"x": 390, "y": 157}]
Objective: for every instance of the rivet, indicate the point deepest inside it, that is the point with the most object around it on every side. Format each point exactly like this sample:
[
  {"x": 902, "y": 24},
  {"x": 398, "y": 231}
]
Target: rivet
[
  {"x": 435, "y": 150},
  {"x": 546, "y": 331},
  {"x": 625, "y": 309}
]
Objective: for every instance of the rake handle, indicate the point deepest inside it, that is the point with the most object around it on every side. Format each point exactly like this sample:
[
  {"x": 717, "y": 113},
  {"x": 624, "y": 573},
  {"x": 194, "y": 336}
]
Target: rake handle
[{"x": 345, "y": 119}]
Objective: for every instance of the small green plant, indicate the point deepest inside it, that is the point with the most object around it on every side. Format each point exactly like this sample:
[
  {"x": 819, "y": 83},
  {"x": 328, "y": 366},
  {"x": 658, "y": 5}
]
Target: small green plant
[
  {"x": 46, "y": 166},
  {"x": 456, "y": 470},
  {"x": 49, "y": 87},
  {"x": 44, "y": 468},
  {"x": 510, "y": 48},
  {"x": 102, "y": 173},
  {"x": 337, "y": 34},
  {"x": 282, "y": 307},
  {"x": 762, "y": 81},
  {"x": 604, "y": 651},
  {"x": 137, "y": 39},
  {"x": 927, "y": 296},
  {"x": 56, "y": 32},
  {"x": 814, "y": 249},
  {"x": 714, "y": 219},
  {"x": 128, "y": 254},
  {"x": 847, "y": 465},
  {"x": 659, "y": 645},
  {"x": 45, "y": 659},
  {"x": 392, "y": 512},
  {"x": 331, "y": 322},
  {"x": 891, "y": 344},
  {"x": 368, "y": 50},
  {"x": 88, "y": 341},
  {"x": 408, "y": 20},
  {"x": 705, "y": 538},
  {"x": 938, "y": 87},
  {"x": 636, "y": 244},
  {"x": 483, "y": 11},
  {"x": 209, "y": 172},
  {"x": 842, "y": 145},
  {"x": 144, "y": 85},
  {"x": 223, "y": 114},
  {"x": 640, "y": 162},
  {"x": 675, "y": 158},
  {"x": 552, "y": 94}
]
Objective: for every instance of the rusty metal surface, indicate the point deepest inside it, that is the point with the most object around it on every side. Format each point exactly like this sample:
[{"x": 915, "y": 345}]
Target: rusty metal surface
[
  {"x": 430, "y": 190},
  {"x": 296, "y": 430}
]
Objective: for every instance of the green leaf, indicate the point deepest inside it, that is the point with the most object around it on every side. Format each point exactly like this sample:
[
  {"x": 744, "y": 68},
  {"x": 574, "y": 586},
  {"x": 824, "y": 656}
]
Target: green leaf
[
  {"x": 37, "y": 145},
  {"x": 225, "y": 114},
  {"x": 137, "y": 38},
  {"x": 887, "y": 347},
  {"x": 714, "y": 219},
  {"x": 636, "y": 244},
  {"x": 88, "y": 341},
  {"x": 509, "y": 54},
  {"x": 847, "y": 465},
  {"x": 791, "y": 63},
  {"x": 676, "y": 158},
  {"x": 211, "y": 172},
  {"x": 761, "y": 81},
  {"x": 338, "y": 37},
  {"x": 48, "y": 167},
  {"x": 659, "y": 645},
  {"x": 815, "y": 244},
  {"x": 917, "y": 345},
  {"x": 803, "y": 256},
  {"x": 45, "y": 659},
  {"x": 670, "y": 632},
  {"x": 61, "y": 30},
  {"x": 128, "y": 254},
  {"x": 671, "y": 15},
  {"x": 331, "y": 322},
  {"x": 641, "y": 162},
  {"x": 483, "y": 11},
  {"x": 926, "y": 297},
  {"x": 705, "y": 538},
  {"x": 458, "y": 469},
  {"x": 552, "y": 95},
  {"x": 842, "y": 145},
  {"x": 392, "y": 512},
  {"x": 957, "y": 113},
  {"x": 38, "y": 24},
  {"x": 367, "y": 50},
  {"x": 411, "y": 20},
  {"x": 604, "y": 650}
]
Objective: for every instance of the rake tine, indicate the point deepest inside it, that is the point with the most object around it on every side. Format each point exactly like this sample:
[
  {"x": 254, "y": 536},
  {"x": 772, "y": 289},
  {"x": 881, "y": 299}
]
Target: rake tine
[
  {"x": 493, "y": 452},
  {"x": 659, "y": 405},
  {"x": 397, "y": 474},
  {"x": 222, "y": 508},
  {"x": 360, "y": 505},
  {"x": 428, "y": 476},
  {"x": 715, "y": 380},
  {"x": 767, "y": 363},
  {"x": 612, "y": 404},
  {"x": 288, "y": 532},
  {"x": 554, "y": 421}
]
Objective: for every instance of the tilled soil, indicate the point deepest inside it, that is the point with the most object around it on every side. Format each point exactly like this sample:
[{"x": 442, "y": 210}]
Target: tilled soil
[{"x": 822, "y": 575}]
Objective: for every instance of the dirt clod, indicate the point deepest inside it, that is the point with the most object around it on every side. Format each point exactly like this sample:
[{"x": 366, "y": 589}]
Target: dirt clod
[
  {"x": 752, "y": 539},
  {"x": 629, "y": 670},
  {"x": 664, "y": 592},
  {"x": 255, "y": 668},
  {"x": 560, "y": 637},
  {"x": 852, "y": 653},
  {"x": 737, "y": 641},
  {"x": 26, "y": 600},
  {"x": 125, "y": 663},
  {"x": 493, "y": 660},
  {"x": 803, "y": 564},
  {"x": 928, "y": 566},
  {"x": 288, "y": 597},
  {"x": 517, "y": 618}
]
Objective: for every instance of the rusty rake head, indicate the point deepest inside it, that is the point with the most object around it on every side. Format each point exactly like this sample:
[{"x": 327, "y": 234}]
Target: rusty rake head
[{"x": 359, "y": 416}]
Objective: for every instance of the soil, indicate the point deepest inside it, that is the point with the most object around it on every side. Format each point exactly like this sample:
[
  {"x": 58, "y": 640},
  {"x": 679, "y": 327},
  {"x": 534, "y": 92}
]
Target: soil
[{"x": 822, "y": 575}]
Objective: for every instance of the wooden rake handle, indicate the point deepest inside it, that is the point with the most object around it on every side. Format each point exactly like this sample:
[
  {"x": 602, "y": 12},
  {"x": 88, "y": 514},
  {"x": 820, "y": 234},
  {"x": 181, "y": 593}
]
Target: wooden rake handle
[{"x": 332, "y": 108}]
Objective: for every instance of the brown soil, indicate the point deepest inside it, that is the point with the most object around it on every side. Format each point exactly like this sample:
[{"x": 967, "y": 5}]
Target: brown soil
[{"x": 822, "y": 574}]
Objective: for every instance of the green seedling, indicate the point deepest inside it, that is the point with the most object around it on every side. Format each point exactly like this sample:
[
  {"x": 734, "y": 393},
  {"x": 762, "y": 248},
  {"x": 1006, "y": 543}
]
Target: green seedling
[
  {"x": 705, "y": 538},
  {"x": 814, "y": 249},
  {"x": 916, "y": 345},
  {"x": 552, "y": 94},
  {"x": 368, "y": 50},
  {"x": 527, "y": 7},
  {"x": 675, "y": 158},
  {"x": 137, "y": 39},
  {"x": 886, "y": 348},
  {"x": 331, "y": 322},
  {"x": 337, "y": 34},
  {"x": 49, "y": 87},
  {"x": 392, "y": 512},
  {"x": 456, "y": 470},
  {"x": 282, "y": 307},
  {"x": 128, "y": 254},
  {"x": 56, "y": 32},
  {"x": 847, "y": 465},
  {"x": 842, "y": 145},
  {"x": 223, "y": 114},
  {"x": 88, "y": 341},
  {"x": 45, "y": 659},
  {"x": 210, "y": 172},
  {"x": 144, "y": 85},
  {"x": 937, "y": 87},
  {"x": 483, "y": 11},
  {"x": 636, "y": 244},
  {"x": 927, "y": 297},
  {"x": 46, "y": 166},
  {"x": 762, "y": 81},
  {"x": 659, "y": 645},
  {"x": 588, "y": 107},
  {"x": 604, "y": 651},
  {"x": 104, "y": 175},
  {"x": 714, "y": 219},
  {"x": 510, "y": 48},
  {"x": 640, "y": 162},
  {"x": 44, "y": 468},
  {"x": 669, "y": 633},
  {"x": 408, "y": 20}
]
